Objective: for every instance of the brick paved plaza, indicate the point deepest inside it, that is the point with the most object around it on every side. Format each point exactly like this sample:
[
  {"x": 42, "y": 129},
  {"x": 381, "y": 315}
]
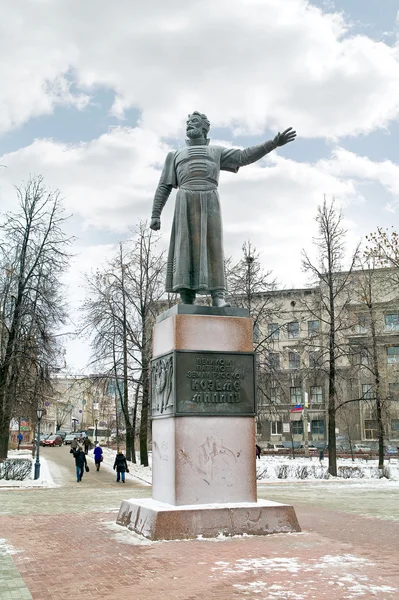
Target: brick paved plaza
[{"x": 63, "y": 542}]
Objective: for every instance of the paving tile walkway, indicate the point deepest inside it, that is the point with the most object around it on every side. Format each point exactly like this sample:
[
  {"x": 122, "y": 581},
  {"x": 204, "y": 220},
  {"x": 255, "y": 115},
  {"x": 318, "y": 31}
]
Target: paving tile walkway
[{"x": 63, "y": 542}]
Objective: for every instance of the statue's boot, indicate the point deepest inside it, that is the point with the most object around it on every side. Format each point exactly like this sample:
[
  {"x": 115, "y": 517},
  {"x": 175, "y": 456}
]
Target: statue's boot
[
  {"x": 218, "y": 299},
  {"x": 187, "y": 296}
]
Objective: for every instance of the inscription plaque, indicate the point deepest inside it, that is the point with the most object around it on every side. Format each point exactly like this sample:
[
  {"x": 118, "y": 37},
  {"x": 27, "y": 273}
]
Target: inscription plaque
[{"x": 190, "y": 383}]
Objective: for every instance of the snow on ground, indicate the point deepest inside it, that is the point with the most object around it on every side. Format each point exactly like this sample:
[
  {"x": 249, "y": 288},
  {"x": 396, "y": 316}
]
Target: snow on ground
[
  {"x": 136, "y": 471},
  {"x": 268, "y": 469},
  {"x": 276, "y": 468},
  {"x": 345, "y": 572},
  {"x": 45, "y": 478}
]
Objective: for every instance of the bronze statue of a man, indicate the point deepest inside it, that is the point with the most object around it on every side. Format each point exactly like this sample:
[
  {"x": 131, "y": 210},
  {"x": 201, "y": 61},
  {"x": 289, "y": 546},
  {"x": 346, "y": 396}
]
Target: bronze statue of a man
[{"x": 195, "y": 259}]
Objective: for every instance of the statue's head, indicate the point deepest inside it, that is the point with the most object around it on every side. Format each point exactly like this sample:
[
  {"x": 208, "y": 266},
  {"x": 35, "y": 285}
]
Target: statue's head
[{"x": 197, "y": 126}]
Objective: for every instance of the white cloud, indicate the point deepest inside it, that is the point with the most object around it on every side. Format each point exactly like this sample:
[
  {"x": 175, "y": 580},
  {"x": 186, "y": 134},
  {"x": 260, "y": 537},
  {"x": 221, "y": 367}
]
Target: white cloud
[
  {"x": 348, "y": 164},
  {"x": 109, "y": 184},
  {"x": 249, "y": 64}
]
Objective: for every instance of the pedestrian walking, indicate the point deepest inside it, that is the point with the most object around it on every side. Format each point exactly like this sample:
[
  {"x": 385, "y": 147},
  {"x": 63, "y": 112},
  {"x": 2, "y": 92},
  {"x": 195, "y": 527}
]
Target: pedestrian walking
[
  {"x": 86, "y": 444},
  {"x": 80, "y": 462},
  {"x": 258, "y": 450},
  {"x": 74, "y": 444},
  {"x": 120, "y": 465},
  {"x": 20, "y": 437},
  {"x": 98, "y": 456}
]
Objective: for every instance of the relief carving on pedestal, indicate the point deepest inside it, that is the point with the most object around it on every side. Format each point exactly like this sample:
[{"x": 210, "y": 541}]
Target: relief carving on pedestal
[{"x": 162, "y": 385}]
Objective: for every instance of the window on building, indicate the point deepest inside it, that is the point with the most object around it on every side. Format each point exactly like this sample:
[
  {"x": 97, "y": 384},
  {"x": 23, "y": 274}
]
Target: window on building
[
  {"x": 259, "y": 427},
  {"x": 273, "y": 331},
  {"x": 293, "y": 330},
  {"x": 313, "y": 328},
  {"x": 391, "y": 321},
  {"x": 317, "y": 427},
  {"x": 276, "y": 428},
  {"x": 316, "y": 394},
  {"x": 361, "y": 324},
  {"x": 275, "y": 397},
  {"x": 367, "y": 391},
  {"x": 394, "y": 391},
  {"x": 294, "y": 360},
  {"x": 296, "y": 395},
  {"x": 274, "y": 360},
  {"x": 393, "y": 355},
  {"x": 370, "y": 430},
  {"x": 256, "y": 332},
  {"x": 395, "y": 427},
  {"x": 297, "y": 427}
]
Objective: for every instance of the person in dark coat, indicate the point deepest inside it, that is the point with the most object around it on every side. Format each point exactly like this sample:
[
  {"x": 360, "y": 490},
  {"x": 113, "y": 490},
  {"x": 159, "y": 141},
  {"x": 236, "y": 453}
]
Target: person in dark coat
[
  {"x": 86, "y": 443},
  {"x": 258, "y": 450},
  {"x": 120, "y": 465},
  {"x": 98, "y": 456},
  {"x": 80, "y": 462}
]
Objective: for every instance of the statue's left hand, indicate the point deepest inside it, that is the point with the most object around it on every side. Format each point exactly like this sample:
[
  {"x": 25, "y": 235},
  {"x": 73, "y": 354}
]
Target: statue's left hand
[{"x": 287, "y": 136}]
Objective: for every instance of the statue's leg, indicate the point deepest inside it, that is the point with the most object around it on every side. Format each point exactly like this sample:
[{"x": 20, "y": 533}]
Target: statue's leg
[
  {"x": 218, "y": 298},
  {"x": 187, "y": 296}
]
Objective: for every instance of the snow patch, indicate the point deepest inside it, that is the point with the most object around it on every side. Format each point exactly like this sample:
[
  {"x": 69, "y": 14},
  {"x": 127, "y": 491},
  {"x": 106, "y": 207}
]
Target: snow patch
[{"x": 6, "y": 548}]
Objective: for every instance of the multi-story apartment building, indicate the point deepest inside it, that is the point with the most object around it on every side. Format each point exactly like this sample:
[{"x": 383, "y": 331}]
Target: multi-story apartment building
[
  {"x": 293, "y": 365},
  {"x": 77, "y": 402}
]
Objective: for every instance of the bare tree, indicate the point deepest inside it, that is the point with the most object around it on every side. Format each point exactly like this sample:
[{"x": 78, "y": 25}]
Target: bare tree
[
  {"x": 120, "y": 311},
  {"x": 334, "y": 300},
  {"x": 32, "y": 259}
]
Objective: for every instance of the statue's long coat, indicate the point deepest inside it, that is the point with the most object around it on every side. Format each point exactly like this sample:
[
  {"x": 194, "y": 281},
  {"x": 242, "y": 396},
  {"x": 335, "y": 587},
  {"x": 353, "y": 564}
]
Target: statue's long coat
[{"x": 195, "y": 259}]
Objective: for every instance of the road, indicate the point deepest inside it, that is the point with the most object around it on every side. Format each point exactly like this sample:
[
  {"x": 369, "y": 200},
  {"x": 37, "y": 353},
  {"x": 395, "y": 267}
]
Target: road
[{"x": 63, "y": 542}]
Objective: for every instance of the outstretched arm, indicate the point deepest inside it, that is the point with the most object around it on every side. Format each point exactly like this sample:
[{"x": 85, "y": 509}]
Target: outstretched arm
[{"x": 254, "y": 153}]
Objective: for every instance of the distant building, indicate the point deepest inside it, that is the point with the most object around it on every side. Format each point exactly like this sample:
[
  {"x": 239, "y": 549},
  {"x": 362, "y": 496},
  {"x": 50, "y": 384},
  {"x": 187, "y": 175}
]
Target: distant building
[{"x": 293, "y": 364}]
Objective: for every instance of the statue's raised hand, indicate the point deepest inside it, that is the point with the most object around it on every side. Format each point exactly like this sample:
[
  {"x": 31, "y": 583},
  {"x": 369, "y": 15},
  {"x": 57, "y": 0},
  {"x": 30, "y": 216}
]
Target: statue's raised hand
[
  {"x": 155, "y": 224},
  {"x": 287, "y": 136}
]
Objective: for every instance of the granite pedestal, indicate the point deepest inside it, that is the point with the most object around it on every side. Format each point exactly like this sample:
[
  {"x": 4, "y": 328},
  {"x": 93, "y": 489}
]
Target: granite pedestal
[{"x": 203, "y": 431}]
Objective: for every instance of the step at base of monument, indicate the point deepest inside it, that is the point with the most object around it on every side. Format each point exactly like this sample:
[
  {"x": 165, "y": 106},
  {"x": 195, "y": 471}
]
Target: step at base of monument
[{"x": 160, "y": 521}]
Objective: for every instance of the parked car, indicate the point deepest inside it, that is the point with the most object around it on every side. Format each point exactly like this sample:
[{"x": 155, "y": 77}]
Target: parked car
[
  {"x": 52, "y": 440},
  {"x": 62, "y": 434},
  {"x": 276, "y": 447},
  {"x": 43, "y": 436},
  {"x": 312, "y": 449},
  {"x": 361, "y": 448},
  {"x": 391, "y": 450},
  {"x": 69, "y": 438}
]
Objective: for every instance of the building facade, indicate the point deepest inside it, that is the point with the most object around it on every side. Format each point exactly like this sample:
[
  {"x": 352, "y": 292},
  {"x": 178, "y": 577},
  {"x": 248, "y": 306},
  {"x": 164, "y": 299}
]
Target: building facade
[{"x": 293, "y": 364}]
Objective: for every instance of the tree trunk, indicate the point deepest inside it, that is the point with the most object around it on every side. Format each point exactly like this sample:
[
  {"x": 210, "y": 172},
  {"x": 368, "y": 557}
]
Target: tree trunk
[
  {"x": 145, "y": 401},
  {"x": 134, "y": 420},
  {"x": 332, "y": 442},
  {"x": 376, "y": 370}
]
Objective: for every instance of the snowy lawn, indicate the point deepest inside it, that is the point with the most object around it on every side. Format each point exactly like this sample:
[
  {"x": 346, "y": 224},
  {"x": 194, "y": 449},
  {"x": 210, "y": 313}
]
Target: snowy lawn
[
  {"x": 45, "y": 479},
  {"x": 276, "y": 468}
]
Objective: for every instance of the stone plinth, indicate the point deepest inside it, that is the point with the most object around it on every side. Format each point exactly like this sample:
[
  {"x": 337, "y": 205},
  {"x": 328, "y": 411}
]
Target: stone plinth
[
  {"x": 203, "y": 431},
  {"x": 160, "y": 521},
  {"x": 202, "y": 459},
  {"x": 203, "y": 332},
  {"x": 197, "y": 460}
]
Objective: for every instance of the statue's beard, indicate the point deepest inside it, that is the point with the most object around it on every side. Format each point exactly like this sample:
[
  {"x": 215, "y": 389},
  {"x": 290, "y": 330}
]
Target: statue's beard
[{"x": 194, "y": 134}]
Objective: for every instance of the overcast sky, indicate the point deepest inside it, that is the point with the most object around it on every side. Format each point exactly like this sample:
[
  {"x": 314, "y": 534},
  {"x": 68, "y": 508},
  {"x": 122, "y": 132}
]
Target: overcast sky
[{"x": 94, "y": 93}]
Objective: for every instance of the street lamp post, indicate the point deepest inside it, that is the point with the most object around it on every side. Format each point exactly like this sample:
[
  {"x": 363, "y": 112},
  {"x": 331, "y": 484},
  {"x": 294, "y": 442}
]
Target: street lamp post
[
  {"x": 95, "y": 433},
  {"x": 39, "y": 413}
]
